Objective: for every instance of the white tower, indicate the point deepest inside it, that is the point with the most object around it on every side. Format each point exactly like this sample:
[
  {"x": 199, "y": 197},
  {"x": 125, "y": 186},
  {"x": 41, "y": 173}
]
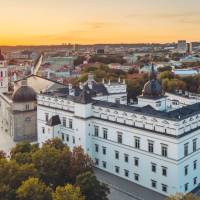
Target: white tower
[{"x": 3, "y": 74}]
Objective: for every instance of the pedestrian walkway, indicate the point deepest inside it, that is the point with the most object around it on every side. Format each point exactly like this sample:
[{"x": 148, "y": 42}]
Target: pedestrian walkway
[{"x": 122, "y": 189}]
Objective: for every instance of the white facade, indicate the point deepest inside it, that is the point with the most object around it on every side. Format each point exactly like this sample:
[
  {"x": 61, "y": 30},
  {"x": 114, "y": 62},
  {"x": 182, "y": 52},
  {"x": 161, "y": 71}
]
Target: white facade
[
  {"x": 157, "y": 153},
  {"x": 3, "y": 77}
]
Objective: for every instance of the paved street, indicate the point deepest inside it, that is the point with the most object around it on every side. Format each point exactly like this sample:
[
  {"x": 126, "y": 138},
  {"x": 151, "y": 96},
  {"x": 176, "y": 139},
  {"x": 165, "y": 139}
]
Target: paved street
[
  {"x": 122, "y": 189},
  {"x": 6, "y": 142}
]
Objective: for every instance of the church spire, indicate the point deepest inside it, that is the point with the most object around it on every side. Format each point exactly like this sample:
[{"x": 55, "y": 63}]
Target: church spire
[{"x": 153, "y": 73}]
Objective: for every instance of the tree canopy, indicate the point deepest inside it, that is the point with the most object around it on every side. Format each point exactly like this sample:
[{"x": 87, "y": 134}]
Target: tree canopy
[{"x": 46, "y": 173}]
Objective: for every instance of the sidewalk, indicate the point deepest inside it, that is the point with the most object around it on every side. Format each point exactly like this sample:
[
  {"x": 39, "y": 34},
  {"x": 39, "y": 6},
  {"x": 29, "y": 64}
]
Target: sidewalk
[{"x": 122, "y": 189}]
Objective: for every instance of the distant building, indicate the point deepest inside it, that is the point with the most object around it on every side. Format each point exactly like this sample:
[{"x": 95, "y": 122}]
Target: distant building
[
  {"x": 189, "y": 48},
  {"x": 3, "y": 74},
  {"x": 185, "y": 72},
  {"x": 18, "y": 107},
  {"x": 100, "y": 51},
  {"x": 182, "y": 46}
]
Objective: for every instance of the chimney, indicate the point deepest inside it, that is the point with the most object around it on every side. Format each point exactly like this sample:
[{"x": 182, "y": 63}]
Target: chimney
[
  {"x": 90, "y": 77},
  {"x": 90, "y": 80},
  {"x": 70, "y": 86},
  {"x": 81, "y": 85}
]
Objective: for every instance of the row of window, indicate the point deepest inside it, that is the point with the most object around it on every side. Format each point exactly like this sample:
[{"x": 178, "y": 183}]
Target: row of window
[
  {"x": 186, "y": 168},
  {"x": 186, "y": 186},
  {"x": 66, "y": 137},
  {"x": 154, "y": 185},
  {"x": 194, "y": 147},
  {"x": 126, "y": 159},
  {"x": 64, "y": 121},
  {"x": 127, "y": 174},
  {"x": 164, "y": 148}
]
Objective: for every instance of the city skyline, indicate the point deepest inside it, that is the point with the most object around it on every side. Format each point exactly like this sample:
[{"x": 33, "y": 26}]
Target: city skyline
[{"x": 89, "y": 22}]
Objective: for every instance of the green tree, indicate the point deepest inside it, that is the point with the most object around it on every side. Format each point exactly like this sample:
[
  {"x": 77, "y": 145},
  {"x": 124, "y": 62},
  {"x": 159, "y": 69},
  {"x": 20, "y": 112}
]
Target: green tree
[
  {"x": 4, "y": 192},
  {"x": 68, "y": 192},
  {"x": 91, "y": 188},
  {"x": 12, "y": 174},
  {"x": 55, "y": 143},
  {"x": 80, "y": 163},
  {"x": 183, "y": 197},
  {"x": 53, "y": 165},
  {"x": 33, "y": 189},
  {"x": 22, "y": 152}
]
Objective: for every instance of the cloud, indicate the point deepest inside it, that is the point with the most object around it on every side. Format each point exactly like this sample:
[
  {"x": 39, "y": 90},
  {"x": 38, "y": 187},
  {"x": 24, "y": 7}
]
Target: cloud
[
  {"x": 184, "y": 17},
  {"x": 96, "y": 25}
]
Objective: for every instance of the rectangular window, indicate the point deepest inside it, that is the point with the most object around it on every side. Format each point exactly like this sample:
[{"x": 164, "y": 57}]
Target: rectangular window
[
  {"x": 186, "y": 149},
  {"x": 96, "y": 161},
  {"x": 67, "y": 138},
  {"x": 164, "y": 171},
  {"x": 63, "y": 137},
  {"x": 105, "y": 133},
  {"x": 136, "y": 162},
  {"x": 70, "y": 124},
  {"x": 104, "y": 164},
  {"x": 136, "y": 177},
  {"x": 73, "y": 139},
  {"x": 126, "y": 173},
  {"x": 46, "y": 117},
  {"x": 104, "y": 150},
  {"x": 153, "y": 167},
  {"x": 186, "y": 170},
  {"x": 126, "y": 158},
  {"x": 97, "y": 148},
  {"x": 117, "y": 155},
  {"x": 43, "y": 130},
  {"x": 117, "y": 169},
  {"x": 195, "y": 180},
  {"x": 119, "y": 138},
  {"x": 164, "y": 150},
  {"x": 164, "y": 188},
  {"x": 186, "y": 187},
  {"x": 150, "y": 146},
  {"x": 117, "y": 100},
  {"x": 64, "y": 122},
  {"x": 153, "y": 184},
  {"x": 96, "y": 131},
  {"x": 137, "y": 142},
  {"x": 194, "y": 142},
  {"x": 27, "y": 107},
  {"x": 195, "y": 164}
]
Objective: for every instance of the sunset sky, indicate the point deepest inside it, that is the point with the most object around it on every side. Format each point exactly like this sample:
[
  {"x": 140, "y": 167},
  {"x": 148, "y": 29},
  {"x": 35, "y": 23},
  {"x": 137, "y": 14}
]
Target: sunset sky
[{"x": 28, "y": 22}]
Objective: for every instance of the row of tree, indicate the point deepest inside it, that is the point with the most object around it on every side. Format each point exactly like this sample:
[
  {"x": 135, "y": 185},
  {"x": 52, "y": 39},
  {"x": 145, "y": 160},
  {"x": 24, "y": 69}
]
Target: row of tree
[
  {"x": 52, "y": 172},
  {"x": 171, "y": 82}
]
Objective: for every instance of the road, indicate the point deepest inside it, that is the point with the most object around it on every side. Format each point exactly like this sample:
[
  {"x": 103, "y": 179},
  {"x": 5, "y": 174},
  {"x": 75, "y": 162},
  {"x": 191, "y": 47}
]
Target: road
[{"x": 122, "y": 189}]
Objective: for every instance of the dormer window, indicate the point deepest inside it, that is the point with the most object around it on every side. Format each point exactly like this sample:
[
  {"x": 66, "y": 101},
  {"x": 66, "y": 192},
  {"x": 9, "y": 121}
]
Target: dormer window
[
  {"x": 27, "y": 107},
  {"x": 158, "y": 104}
]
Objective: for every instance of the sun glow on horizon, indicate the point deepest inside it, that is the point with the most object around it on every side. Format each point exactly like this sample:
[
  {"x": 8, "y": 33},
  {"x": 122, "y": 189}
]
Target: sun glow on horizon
[{"x": 93, "y": 21}]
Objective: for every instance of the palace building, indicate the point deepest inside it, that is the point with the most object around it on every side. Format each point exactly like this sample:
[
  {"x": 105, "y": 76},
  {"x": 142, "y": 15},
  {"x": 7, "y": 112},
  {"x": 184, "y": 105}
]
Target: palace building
[{"x": 154, "y": 143}]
